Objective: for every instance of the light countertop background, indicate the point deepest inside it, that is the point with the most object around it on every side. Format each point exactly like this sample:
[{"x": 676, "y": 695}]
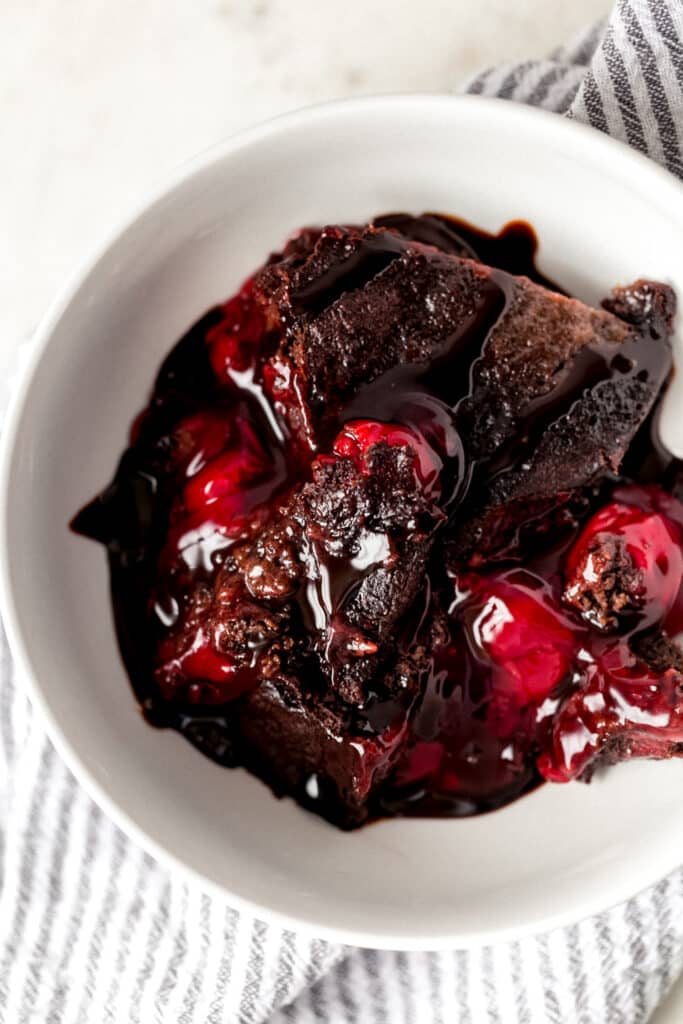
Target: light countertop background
[{"x": 100, "y": 98}]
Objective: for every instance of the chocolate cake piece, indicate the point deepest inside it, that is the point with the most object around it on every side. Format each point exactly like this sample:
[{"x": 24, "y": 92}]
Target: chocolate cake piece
[
  {"x": 368, "y": 519},
  {"x": 331, "y": 757},
  {"x": 658, "y": 651},
  {"x": 316, "y": 593},
  {"x": 578, "y": 427},
  {"x": 335, "y": 756},
  {"x": 545, "y": 392},
  {"x": 311, "y": 750}
]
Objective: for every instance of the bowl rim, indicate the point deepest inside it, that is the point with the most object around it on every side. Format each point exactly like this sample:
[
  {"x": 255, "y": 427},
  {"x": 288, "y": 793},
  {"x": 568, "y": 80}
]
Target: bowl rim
[{"x": 634, "y": 166}]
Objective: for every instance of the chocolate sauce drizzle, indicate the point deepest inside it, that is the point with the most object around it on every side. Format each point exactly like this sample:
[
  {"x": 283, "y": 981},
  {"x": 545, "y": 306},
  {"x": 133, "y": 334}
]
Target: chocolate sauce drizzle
[{"x": 513, "y": 249}]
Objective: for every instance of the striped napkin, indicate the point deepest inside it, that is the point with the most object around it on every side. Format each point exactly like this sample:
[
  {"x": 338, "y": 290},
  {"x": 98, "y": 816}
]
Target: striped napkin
[{"x": 93, "y": 930}]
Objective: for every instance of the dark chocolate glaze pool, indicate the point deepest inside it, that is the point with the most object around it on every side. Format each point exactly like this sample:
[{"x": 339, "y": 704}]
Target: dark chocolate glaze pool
[{"x": 457, "y": 762}]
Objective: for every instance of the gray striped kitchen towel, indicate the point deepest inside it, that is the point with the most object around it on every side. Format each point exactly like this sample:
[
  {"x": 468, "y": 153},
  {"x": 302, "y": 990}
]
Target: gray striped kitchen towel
[{"x": 92, "y": 930}]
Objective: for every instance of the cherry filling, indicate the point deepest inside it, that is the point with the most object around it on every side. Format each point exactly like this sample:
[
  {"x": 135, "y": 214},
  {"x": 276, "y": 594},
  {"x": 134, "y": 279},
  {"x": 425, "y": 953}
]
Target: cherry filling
[{"x": 258, "y": 556}]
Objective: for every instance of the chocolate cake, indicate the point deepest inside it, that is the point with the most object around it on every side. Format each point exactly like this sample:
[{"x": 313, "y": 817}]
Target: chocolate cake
[{"x": 370, "y": 538}]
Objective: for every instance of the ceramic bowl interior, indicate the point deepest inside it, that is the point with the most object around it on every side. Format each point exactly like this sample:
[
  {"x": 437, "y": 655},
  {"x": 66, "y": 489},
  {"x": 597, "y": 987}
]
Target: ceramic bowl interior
[{"x": 603, "y": 215}]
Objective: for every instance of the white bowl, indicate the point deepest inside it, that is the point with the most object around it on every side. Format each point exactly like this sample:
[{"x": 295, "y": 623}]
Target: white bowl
[{"x": 604, "y": 214}]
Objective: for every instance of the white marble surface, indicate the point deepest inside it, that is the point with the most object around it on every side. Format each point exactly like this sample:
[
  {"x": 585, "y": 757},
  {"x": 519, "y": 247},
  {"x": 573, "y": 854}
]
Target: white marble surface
[{"x": 99, "y": 98}]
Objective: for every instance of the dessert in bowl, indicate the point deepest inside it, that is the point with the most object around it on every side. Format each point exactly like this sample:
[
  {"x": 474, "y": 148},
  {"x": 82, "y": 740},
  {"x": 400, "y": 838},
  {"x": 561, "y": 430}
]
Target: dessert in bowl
[
  {"x": 491, "y": 517},
  {"x": 377, "y": 535}
]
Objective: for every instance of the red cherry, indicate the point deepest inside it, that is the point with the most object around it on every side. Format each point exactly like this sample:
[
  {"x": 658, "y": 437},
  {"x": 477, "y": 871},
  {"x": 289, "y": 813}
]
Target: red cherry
[
  {"x": 372, "y": 755},
  {"x": 227, "y": 474},
  {"x": 234, "y": 342},
  {"x": 230, "y": 479},
  {"x": 651, "y": 498},
  {"x": 204, "y": 663},
  {"x": 196, "y": 537},
  {"x": 421, "y": 763},
  {"x": 200, "y": 438},
  {"x": 358, "y": 437},
  {"x": 520, "y": 634},
  {"x": 201, "y": 674},
  {"x": 645, "y": 544}
]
